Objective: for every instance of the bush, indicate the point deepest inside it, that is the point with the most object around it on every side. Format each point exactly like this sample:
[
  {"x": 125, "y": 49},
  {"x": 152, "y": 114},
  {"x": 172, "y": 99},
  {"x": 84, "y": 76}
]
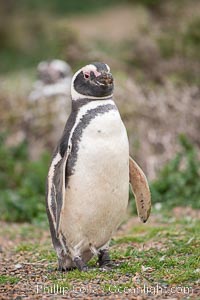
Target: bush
[
  {"x": 178, "y": 182},
  {"x": 191, "y": 39},
  {"x": 22, "y": 184}
]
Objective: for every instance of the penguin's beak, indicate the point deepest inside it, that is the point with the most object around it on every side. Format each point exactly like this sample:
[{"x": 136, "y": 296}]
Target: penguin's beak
[{"x": 105, "y": 79}]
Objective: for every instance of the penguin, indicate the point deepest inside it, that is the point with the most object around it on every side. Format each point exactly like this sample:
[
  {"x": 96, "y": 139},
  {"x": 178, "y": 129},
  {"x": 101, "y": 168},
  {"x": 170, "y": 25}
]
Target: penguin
[
  {"x": 49, "y": 93},
  {"x": 88, "y": 179}
]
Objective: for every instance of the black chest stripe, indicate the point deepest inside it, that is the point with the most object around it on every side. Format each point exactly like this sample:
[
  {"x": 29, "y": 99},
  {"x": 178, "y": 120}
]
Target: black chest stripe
[
  {"x": 62, "y": 145},
  {"x": 81, "y": 102},
  {"x": 78, "y": 132}
]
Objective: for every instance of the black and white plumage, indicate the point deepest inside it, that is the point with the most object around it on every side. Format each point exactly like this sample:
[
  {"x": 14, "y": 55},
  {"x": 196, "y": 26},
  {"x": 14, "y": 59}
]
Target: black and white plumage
[{"x": 88, "y": 179}]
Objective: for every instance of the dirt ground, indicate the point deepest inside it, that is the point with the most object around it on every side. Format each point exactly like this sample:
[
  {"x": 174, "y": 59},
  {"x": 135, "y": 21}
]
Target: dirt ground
[{"x": 28, "y": 266}]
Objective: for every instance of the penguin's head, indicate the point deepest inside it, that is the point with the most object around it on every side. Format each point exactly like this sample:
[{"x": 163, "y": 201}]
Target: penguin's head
[
  {"x": 92, "y": 81},
  {"x": 51, "y": 72}
]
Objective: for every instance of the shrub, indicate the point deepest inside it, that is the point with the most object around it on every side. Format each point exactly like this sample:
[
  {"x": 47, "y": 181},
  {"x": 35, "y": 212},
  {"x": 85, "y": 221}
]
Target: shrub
[
  {"x": 191, "y": 39},
  {"x": 178, "y": 182},
  {"x": 22, "y": 184}
]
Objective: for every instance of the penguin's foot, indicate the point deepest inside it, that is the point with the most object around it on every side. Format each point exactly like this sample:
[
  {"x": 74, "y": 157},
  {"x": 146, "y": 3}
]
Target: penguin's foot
[
  {"x": 65, "y": 269},
  {"x": 65, "y": 264},
  {"x": 79, "y": 263},
  {"x": 104, "y": 259}
]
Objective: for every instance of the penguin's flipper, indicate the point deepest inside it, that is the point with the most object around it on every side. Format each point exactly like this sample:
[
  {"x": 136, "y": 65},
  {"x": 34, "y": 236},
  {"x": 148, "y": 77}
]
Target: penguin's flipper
[
  {"x": 56, "y": 187},
  {"x": 140, "y": 189},
  {"x": 60, "y": 199}
]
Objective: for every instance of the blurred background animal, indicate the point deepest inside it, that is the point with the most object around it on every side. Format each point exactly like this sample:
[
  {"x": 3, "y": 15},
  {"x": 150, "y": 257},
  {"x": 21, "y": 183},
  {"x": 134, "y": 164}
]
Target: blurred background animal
[{"x": 49, "y": 105}]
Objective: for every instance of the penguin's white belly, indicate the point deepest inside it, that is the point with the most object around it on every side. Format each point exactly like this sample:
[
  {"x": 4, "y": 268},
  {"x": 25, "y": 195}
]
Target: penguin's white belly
[{"x": 97, "y": 193}]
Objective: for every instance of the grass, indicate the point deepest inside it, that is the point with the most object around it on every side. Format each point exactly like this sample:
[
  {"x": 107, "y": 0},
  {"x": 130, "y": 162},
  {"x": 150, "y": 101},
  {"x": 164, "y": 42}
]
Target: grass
[
  {"x": 175, "y": 263},
  {"x": 162, "y": 254},
  {"x": 165, "y": 253},
  {"x": 8, "y": 279}
]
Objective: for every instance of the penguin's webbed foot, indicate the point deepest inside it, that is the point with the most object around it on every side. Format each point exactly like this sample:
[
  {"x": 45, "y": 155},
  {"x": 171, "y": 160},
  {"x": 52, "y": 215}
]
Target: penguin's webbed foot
[{"x": 79, "y": 263}]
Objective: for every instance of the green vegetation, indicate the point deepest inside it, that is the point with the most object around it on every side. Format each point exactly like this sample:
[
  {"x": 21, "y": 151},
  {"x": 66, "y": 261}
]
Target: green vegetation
[
  {"x": 65, "y": 7},
  {"x": 167, "y": 254},
  {"x": 191, "y": 39},
  {"x": 185, "y": 43},
  {"x": 22, "y": 184},
  {"x": 175, "y": 261},
  {"x": 178, "y": 182},
  {"x": 73, "y": 7},
  {"x": 5, "y": 279}
]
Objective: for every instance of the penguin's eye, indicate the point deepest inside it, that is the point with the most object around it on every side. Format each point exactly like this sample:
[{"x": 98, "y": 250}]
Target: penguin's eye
[
  {"x": 86, "y": 75},
  {"x": 62, "y": 74}
]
